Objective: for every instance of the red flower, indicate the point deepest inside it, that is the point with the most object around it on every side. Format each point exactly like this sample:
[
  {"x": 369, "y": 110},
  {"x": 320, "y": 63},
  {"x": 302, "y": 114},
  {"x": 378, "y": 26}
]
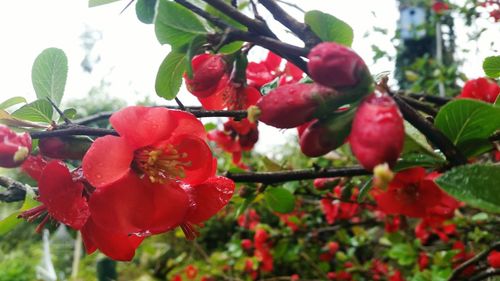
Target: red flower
[
  {"x": 34, "y": 165},
  {"x": 423, "y": 261},
  {"x": 480, "y": 89},
  {"x": 208, "y": 71},
  {"x": 61, "y": 197},
  {"x": 246, "y": 244},
  {"x": 230, "y": 95},
  {"x": 334, "y": 209},
  {"x": 14, "y": 148},
  {"x": 191, "y": 271},
  {"x": 325, "y": 183},
  {"x": 249, "y": 219},
  {"x": 396, "y": 276},
  {"x": 261, "y": 73},
  {"x": 494, "y": 259},
  {"x": 154, "y": 143},
  {"x": 64, "y": 197},
  {"x": 237, "y": 136},
  {"x": 410, "y": 193}
]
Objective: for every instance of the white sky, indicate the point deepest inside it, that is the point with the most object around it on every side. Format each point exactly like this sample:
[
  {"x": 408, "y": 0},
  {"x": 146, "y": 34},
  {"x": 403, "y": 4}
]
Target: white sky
[{"x": 130, "y": 53}]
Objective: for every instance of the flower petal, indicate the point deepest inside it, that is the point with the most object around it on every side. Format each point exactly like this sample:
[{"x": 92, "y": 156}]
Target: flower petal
[
  {"x": 107, "y": 160},
  {"x": 120, "y": 247},
  {"x": 171, "y": 204},
  {"x": 123, "y": 207},
  {"x": 198, "y": 154},
  {"x": 208, "y": 198},
  {"x": 142, "y": 126},
  {"x": 63, "y": 197},
  {"x": 187, "y": 124},
  {"x": 410, "y": 176}
]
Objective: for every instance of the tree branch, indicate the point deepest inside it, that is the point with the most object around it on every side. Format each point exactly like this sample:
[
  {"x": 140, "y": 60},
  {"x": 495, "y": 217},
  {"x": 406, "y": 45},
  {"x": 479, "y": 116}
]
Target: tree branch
[
  {"x": 259, "y": 31},
  {"x": 302, "y": 30},
  {"x": 295, "y": 175},
  {"x": 16, "y": 191},
  {"x": 195, "y": 110},
  {"x": 430, "y": 98},
  {"x": 456, "y": 273},
  {"x": 485, "y": 274},
  {"x": 435, "y": 136}
]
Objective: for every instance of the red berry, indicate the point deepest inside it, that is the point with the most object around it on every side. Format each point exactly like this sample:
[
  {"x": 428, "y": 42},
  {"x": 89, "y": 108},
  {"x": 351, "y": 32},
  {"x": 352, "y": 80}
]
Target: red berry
[
  {"x": 292, "y": 105},
  {"x": 335, "y": 66},
  {"x": 208, "y": 70},
  {"x": 377, "y": 133}
]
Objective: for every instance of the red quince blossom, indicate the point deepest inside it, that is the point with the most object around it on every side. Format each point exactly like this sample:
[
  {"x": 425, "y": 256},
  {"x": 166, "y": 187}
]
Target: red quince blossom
[
  {"x": 262, "y": 250},
  {"x": 64, "y": 196},
  {"x": 261, "y": 73},
  {"x": 423, "y": 261},
  {"x": 249, "y": 220},
  {"x": 34, "y": 165},
  {"x": 325, "y": 183},
  {"x": 191, "y": 271},
  {"x": 237, "y": 136},
  {"x": 156, "y": 143},
  {"x": 480, "y": 89},
  {"x": 334, "y": 209},
  {"x": 494, "y": 259},
  {"x": 231, "y": 95},
  {"x": 396, "y": 276},
  {"x": 410, "y": 193},
  {"x": 462, "y": 256},
  {"x": 14, "y": 148},
  {"x": 246, "y": 244},
  {"x": 208, "y": 72}
]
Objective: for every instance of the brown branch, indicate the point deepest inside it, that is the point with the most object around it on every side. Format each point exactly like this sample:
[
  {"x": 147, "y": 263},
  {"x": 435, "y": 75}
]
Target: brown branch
[
  {"x": 302, "y": 30},
  {"x": 430, "y": 98},
  {"x": 295, "y": 175},
  {"x": 195, "y": 110},
  {"x": 455, "y": 275},
  {"x": 73, "y": 130},
  {"x": 435, "y": 136},
  {"x": 424, "y": 107},
  {"x": 259, "y": 30},
  {"x": 16, "y": 191}
]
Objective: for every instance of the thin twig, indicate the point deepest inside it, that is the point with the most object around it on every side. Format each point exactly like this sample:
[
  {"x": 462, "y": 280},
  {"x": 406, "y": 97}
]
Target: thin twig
[
  {"x": 303, "y": 31},
  {"x": 456, "y": 273},
  {"x": 485, "y": 274},
  {"x": 430, "y": 98},
  {"x": 61, "y": 113},
  {"x": 295, "y": 175},
  {"x": 292, "y": 5}
]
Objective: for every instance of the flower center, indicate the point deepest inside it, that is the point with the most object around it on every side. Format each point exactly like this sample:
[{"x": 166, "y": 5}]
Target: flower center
[{"x": 160, "y": 164}]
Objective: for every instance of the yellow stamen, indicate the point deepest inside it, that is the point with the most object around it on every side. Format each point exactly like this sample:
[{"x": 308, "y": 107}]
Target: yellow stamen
[{"x": 160, "y": 164}]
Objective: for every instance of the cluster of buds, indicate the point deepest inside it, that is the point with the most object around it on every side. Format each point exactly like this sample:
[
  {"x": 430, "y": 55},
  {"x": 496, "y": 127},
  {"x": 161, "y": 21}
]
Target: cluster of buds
[{"x": 324, "y": 110}]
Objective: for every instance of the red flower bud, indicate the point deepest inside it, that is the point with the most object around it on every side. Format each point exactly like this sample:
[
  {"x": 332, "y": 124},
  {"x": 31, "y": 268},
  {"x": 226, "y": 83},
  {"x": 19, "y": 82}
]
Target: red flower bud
[
  {"x": 336, "y": 66},
  {"x": 208, "y": 70},
  {"x": 480, "y": 89},
  {"x": 322, "y": 136},
  {"x": 292, "y": 105},
  {"x": 14, "y": 148},
  {"x": 64, "y": 147},
  {"x": 246, "y": 244},
  {"x": 377, "y": 134},
  {"x": 325, "y": 183}
]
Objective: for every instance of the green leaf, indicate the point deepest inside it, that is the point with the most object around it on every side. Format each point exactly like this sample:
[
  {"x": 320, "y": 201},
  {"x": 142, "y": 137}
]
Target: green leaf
[
  {"x": 410, "y": 160},
  {"x": 169, "y": 77},
  {"x": 12, "y": 101},
  {"x": 8, "y": 223},
  {"x": 69, "y": 113},
  {"x": 7, "y": 119},
  {"x": 363, "y": 192},
  {"x": 37, "y": 111},
  {"x": 415, "y": 142},
  {"x": 94, "y": 3},
  {"x": 491, "y": 66},
  {"x": 404, "y": 253},
  {"x": 279, "y": 199},
  {"x": 468, "y": 124},
  {"x": 145, "y": 10},
  {"x": 241, "y": 209},
  {"x": 476, "y": 185},
  {"x": 329, "y": 28},
  {"x": 176, "y": 25},
  {"x": 49, "y": 74}
]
